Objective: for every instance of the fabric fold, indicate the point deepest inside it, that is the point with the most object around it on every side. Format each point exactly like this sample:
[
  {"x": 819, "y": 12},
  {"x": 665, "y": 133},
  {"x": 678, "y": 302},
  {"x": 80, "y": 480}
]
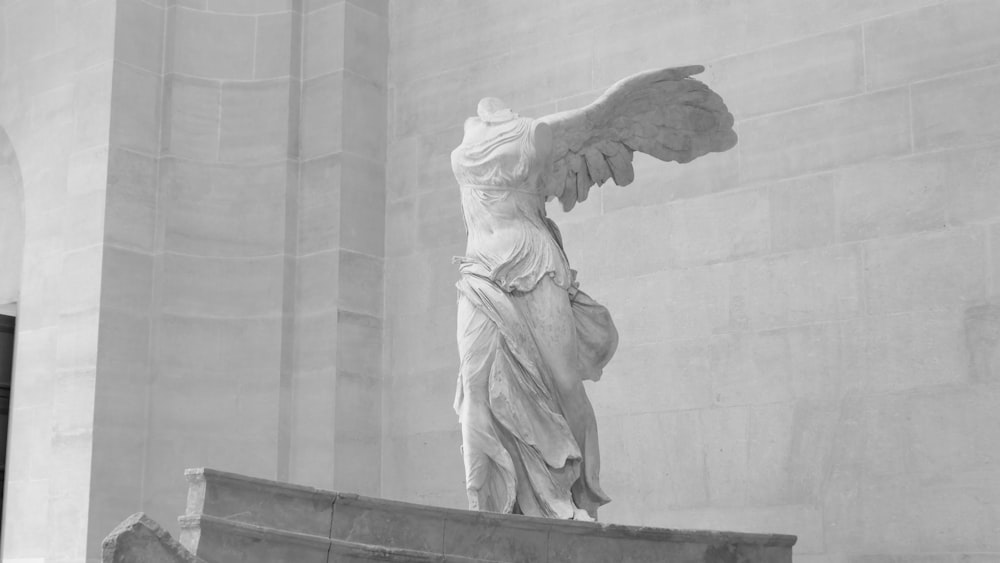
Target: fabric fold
[{"x": 525, "y": 413}]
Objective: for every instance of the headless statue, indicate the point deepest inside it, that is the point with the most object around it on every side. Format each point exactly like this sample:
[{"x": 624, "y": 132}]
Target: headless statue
[{"x": 528, "y": 337}]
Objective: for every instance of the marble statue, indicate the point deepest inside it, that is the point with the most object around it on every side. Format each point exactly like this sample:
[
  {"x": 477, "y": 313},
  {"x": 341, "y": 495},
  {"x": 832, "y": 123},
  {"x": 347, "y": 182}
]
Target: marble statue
[{"x": 527, "y": 335}]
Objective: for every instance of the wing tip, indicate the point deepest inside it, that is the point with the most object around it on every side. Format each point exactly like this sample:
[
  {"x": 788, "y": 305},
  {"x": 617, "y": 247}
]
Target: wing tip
[
  {"x": 730, "y": 141},
  {"x": 691, "y": 70},
  {"x": 686, "y": 71}
]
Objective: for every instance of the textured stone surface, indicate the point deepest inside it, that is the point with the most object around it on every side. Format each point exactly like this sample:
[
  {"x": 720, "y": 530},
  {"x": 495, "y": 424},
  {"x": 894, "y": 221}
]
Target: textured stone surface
[
  {"x": 802, "y": 72},
  {"x": 234, "y": 517},
  {"x": 929, "y": 272},
  {"x": 825, "y": 136},
  {"x": 191, "y": 124},
  {"x": 957, "y": 111},
  {"x": 163, "y": 147},
  {"x": 275, "y": 45},
  {"x": 136, "y": 40},
  {"x": 254, "y": 121},
  {"x": 863, "y": 273},
  {"x": 901, "y": 49},
  {"x": 138, "y": 538},
  {"x": 868, "y": 314},
  {"x": 219, "y": 539},
  {"x": 722, "y": 228},
  {"x": 136, "y": 95},
  {"x": 55, "y": 106},
  {"x": 212, "y": 45},
  {"x": 803, "y": 213},
  {"x": 709, "y": 174},
  {"x": 322, "y": 115}
]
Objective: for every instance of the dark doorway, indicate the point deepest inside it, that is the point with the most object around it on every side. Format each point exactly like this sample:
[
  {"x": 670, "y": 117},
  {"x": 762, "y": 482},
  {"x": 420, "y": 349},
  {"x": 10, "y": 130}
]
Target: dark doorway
[{"x": 6, "y": 371}]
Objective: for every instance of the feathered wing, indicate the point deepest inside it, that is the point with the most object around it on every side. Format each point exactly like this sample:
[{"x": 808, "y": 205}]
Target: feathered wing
[{"x": 663, "y": 113}]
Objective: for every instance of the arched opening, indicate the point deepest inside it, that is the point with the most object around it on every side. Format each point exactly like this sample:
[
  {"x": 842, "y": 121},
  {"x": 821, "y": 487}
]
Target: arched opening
[{"x": 11, "y": 257}]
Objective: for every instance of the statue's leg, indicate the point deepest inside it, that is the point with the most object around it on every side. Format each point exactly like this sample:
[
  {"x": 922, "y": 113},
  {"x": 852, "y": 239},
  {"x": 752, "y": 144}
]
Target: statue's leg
[
  {"x": 555, "y": 332},
  {"x": 489, "y": 474}
]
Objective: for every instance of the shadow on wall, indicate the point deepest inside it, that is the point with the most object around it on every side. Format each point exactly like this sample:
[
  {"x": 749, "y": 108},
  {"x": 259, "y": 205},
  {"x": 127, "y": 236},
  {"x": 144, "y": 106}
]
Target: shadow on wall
[{"x": 11, "y": 222}]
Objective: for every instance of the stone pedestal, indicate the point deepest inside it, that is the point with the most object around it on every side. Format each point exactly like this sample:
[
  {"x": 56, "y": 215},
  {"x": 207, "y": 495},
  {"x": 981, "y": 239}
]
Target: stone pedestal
[
  {"x": 140, "y": 539},
  {"x": 236, "y": 518}
]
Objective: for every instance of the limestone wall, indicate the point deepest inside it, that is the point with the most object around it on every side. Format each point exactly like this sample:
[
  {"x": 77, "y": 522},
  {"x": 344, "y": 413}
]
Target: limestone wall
[
  {"x": 228, "y": 240},
  {"x": 808, "y": 343},
  {"x": 241, "y": 312},
  {"x": 202, "y": 286},
  {"x": 55, "y": 99}
]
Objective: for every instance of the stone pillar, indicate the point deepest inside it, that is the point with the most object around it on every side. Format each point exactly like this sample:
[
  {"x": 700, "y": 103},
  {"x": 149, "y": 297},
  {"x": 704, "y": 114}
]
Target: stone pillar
[
  {"x": 226, "y": 175},
  {"x": 55, "y": 101},
  {"x": 203, "y": 258},
  {"x": 247, "y": 250},
  {"x": 338, "y": 362},
  {"x": 126, "y": 314}
]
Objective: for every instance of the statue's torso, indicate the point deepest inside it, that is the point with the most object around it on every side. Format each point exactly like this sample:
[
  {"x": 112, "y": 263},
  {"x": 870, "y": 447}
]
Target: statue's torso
[{"x": 510, "y": 239}]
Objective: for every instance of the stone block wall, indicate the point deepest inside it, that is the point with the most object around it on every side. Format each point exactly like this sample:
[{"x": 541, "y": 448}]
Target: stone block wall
[
  {"x": 204, "y": 193},
  {"x": 55, "y": 99},
  {"x": 808, "y": 322},
  {"x": 234, "y": 256},
  {"x": 242, "y": 300}
]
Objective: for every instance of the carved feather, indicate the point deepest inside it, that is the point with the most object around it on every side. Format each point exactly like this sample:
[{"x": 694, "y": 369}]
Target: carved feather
[{"x": 663, "y": 113}]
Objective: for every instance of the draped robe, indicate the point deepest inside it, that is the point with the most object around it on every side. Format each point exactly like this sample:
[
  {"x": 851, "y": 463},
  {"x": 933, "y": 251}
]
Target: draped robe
[{"x": 527, "y": 338}]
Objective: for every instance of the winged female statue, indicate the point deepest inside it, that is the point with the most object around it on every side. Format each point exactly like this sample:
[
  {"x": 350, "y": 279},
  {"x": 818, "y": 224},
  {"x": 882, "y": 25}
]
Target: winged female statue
[{"x": 527, "y": 335}]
